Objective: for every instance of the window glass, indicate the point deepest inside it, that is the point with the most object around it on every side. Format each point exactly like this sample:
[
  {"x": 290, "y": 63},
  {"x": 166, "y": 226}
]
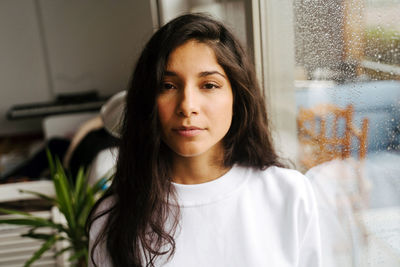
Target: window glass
[{"x": 347, "y": 91}]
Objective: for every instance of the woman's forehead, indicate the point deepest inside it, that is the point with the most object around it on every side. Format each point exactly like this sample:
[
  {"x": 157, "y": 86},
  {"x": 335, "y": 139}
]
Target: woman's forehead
[{"x": 193, "y": 56}]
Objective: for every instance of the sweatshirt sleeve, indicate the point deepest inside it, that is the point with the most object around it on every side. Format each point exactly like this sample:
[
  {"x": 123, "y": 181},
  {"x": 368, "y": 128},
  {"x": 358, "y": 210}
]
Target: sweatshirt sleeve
[{"x": 310, "y": 243}]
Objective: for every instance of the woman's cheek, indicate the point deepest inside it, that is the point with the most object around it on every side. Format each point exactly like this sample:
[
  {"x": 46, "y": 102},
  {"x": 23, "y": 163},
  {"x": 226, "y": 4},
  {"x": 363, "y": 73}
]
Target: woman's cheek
[{"x": 165, "y": 110}]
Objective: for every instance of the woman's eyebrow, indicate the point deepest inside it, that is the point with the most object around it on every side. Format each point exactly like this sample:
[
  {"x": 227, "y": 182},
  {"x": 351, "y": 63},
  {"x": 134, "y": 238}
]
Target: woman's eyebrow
[
  {"x": 170, "y": 73},
  {"x": 201, "y": 74},
  {"x": 207, "y": 73}
]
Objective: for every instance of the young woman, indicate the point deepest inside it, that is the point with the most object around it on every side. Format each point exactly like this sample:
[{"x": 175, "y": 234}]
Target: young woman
[{"x": 197, "y": 181}]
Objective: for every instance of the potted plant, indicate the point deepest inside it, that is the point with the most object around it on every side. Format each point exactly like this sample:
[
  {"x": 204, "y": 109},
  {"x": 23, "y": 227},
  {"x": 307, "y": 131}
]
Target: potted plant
[{"x": 74, "y": 200}]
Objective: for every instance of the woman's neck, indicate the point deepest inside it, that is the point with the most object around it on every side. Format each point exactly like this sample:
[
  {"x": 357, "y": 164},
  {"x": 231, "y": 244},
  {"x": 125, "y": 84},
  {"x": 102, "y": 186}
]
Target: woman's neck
[{"x": 196, "y": 170}]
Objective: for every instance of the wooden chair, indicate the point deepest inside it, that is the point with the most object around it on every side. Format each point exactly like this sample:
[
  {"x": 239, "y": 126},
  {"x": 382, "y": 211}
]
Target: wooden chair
[{"x": 326, "y": 132}]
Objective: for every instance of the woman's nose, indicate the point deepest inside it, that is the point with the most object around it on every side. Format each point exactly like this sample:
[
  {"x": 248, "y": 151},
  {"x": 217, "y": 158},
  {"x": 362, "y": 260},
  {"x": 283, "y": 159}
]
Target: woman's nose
[{"x": 188, "y": 102}]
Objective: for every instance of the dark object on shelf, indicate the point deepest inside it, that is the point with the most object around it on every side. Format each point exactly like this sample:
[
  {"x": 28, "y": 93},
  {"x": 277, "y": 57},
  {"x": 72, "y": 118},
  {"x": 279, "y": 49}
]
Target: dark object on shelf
[
  {"x": 32, "y": 168},
  {"x": 64, "y": 103},
  {"x": 78, "y": 97},
  {"x": 82, "y": 156}
]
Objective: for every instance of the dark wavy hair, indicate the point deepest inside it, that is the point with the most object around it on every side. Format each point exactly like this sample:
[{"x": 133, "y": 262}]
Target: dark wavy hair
[{"x": 136, "y": 229}]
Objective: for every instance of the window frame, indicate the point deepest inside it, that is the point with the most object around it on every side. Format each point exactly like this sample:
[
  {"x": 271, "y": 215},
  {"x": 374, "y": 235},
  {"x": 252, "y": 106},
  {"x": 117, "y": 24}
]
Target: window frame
[{"x": 273, "y": 37}]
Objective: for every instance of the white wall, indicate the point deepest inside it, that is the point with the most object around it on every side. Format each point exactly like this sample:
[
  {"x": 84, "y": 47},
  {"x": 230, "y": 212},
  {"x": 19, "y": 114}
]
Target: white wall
[
  {"x": 23, "y": 77},
  {"x": 93, "y": 44},
  {"x": 58, "y": 46}
]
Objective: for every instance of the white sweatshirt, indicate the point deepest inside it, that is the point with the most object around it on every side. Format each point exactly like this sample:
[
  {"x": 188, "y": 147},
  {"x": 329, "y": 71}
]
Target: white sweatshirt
[{"x": 245, "y": 218}]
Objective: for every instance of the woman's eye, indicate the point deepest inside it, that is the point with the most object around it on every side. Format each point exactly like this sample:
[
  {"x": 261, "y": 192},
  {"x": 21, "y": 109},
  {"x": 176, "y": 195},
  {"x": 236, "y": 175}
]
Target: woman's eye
[
  {"x": 210, "y": 86},
  {"x": 168, "y": 86}
]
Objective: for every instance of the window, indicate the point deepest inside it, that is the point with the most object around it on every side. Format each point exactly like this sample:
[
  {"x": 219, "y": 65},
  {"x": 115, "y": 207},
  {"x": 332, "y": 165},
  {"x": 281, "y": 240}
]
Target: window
[{"x": 331, "y": 71}]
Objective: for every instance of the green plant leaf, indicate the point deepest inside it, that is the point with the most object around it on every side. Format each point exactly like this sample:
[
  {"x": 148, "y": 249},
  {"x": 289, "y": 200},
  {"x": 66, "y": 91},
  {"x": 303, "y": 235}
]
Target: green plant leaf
[
  {"x": 88, "y": 198},
  {"x": 30, "y": 220},
  {"x": 17, "y": 212},
  {"x": 63, "y": 251},
  {"x": 79, "y": 254},
  {"x": 74, "y": 200},
  {"x": 39, "y": 235},
  {"x": 40, "y": 195},
  {"x": 81, "y": 180},
  {"x": 83, "y": 214},
  {"x": 63, "y": 194},
  {"x": 59, "y": 196},
  {"x": 27, "y": 222},
  {"x": 60, "y": 170},
  {"x": 46, "y": 246},
  {"x": 51, "y": 162}
]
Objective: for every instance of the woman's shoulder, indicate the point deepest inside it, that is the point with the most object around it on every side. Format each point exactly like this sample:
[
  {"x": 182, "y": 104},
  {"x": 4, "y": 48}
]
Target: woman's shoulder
[
  {"x": 282, "y": 180},
  {"x": 285, "y": 176},
  {"x": 279, "y": 174},
  {"x": 285, "y": 188}
]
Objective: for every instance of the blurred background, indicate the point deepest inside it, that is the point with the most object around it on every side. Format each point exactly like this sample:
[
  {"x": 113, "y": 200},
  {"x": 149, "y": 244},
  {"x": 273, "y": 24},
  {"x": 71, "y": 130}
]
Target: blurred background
[{"x": 330, "y": 71}]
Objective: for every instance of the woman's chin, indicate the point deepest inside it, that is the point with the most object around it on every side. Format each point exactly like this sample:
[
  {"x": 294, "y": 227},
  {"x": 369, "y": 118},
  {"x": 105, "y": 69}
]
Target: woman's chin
[
  {"x": 189, "y": 153},
  {"x": 212, "y": 153}
]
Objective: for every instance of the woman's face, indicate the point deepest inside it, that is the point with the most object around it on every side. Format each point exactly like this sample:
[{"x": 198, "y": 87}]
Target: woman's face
[{"x": 195, "y": 102}]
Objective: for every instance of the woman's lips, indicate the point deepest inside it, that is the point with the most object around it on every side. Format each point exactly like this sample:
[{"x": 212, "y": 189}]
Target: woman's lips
[{"x": 188, "y": 131}]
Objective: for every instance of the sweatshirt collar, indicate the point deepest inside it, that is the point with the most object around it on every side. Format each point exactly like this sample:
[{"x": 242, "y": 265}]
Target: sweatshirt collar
[{"x": 209, "y": 192}]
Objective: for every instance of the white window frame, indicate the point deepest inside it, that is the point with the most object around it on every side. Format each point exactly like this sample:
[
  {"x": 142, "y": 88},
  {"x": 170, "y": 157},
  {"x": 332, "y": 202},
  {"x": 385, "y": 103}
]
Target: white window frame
[{"x": 273, "y": 37}]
